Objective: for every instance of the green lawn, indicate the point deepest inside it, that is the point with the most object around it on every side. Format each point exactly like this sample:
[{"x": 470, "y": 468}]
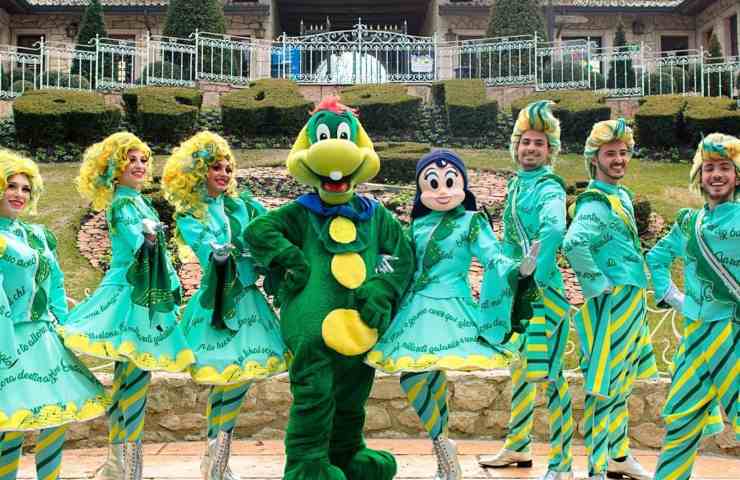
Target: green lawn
[{"x": 61, "y": 207}]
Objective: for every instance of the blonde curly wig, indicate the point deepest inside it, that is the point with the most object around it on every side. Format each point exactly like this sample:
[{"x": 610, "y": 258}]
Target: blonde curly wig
[
  {"x": 537, "y": 116},
  {"x": 605, "y": 132},
  {"x": 11, "y": 164},
  {"x": 714, "y": 146},
  {"x": 184, "y": 177},
  {"x": 102, "y": 166}
]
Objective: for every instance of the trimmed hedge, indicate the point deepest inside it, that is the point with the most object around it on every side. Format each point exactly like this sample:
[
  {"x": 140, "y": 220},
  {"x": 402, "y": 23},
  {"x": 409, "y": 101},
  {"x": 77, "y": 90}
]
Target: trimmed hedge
[
  {"x": 659, "y": 120},
  {"x": 469, "y": 112},
  {"x": 267, "y": 107},
  {"x": 674, "y": 120},
  {"x": 163, "y": 114},
  {"x": 577, "y": 111},
  {"x": 383, "y": 108},
  {"x": 708, "y": 115},
  {"x": 398, "y": 161},
  {"x": 50, "y": 117}
]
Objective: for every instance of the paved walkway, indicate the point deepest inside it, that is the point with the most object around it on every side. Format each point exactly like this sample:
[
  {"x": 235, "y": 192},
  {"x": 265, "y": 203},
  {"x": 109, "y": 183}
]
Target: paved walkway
[{"x": 263, "y": 460}]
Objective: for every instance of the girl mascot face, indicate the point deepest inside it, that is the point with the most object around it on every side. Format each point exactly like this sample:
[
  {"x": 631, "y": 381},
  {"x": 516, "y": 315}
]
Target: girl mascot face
[{"x": 441, "y": 184}]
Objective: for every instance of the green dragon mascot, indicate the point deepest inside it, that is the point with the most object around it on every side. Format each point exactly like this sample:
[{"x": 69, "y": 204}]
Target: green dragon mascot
[{"x": 342, "y": 262}]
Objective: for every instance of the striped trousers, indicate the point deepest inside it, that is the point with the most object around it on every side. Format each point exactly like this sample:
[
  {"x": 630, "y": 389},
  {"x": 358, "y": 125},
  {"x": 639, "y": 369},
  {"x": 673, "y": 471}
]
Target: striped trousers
[
  {"x": 48, "y": 453},
  {"x": 427, "y": 394},
  {"x": 128, "y": 407},
  {"x": 224, "y": 404},
  {"x": 542, "y": 349},
  {"x": 706, "y": 376},
  {"x": 614, "y": 339}
]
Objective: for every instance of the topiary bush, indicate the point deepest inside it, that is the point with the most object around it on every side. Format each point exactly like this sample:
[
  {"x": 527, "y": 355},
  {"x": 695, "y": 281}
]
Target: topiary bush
[
  {"x": 469, "y": 112},
  {"x": 52, "y": 116},
  {"x": 163, "y": 114},
  {"x": 398, "y": 161},
  {"x": 708, "y": 115},
  {"x": 577, "y": 111},
  {"x": 383, "y": 108},
  {"x": 267, "y": 107},
  {"x": 659, "y": 120}
]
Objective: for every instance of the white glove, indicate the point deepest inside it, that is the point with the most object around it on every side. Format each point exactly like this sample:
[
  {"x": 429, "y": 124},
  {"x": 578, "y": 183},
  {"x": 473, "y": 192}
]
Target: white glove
[
  {"x": 221, "y": 251},
  {"x": 150, "y": 227},
  {"x": 529, "y": 263},
  {"x": 384, "y": 264},
  {"x": 675, "y": 298}
]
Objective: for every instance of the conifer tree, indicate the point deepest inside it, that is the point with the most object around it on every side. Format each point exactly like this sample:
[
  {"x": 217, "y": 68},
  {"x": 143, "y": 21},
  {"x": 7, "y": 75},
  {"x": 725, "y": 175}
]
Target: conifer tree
[
  {"x": 510, "y": 18},
  {"x": 184, "y": 17},
  {"x": 93, "y": 25},
  {"x": 621, "y": 72}
]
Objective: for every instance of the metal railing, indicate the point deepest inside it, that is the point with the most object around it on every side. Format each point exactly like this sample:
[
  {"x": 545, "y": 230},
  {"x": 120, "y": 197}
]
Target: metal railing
[
  {"x": 357, "y": 56},
  {"x": 364, "y": 55}
]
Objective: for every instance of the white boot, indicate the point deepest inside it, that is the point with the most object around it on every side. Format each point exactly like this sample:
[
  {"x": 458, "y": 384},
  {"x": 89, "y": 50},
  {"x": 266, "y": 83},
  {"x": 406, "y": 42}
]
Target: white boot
[
  {"x": 506, "y": 458},
  {"x": 112, "y": 469},
  {"x": 630, "y": 468},
  {"x": 215, "y": 462},
  {"x": 448, "y": 465},
  {"x": 133, "y": 461}
]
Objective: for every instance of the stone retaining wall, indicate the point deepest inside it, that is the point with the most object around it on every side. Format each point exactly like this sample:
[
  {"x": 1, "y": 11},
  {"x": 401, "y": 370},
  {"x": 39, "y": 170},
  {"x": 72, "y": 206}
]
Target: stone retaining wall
[{"x": 479, "y": 408}]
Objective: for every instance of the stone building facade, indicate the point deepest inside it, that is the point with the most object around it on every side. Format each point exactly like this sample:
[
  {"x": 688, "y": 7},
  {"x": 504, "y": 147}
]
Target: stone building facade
[
  {"x": 660, "y": 24},
  {"x": 23, "y": 22}
]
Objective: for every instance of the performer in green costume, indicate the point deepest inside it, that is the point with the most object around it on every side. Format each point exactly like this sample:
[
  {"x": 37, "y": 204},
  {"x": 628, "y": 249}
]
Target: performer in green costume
[
  {"x": 131, "y": 318},
  {"x": 43, "y": 386},
  {"x": 439, "y": 327},
  {"x": 603, "y": 247},
  {"x": 325, "y": 251},
  {"x": 707, "y": 372},
  {"x": 232, "y": 330},
  {"x": 535, "y": 211}
]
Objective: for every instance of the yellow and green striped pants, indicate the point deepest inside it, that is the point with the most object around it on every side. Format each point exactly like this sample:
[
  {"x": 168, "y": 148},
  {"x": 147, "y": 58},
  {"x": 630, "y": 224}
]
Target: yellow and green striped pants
[
  {"x": 48, "y": 453},
  {"x": 706, "y": 376},
  {"x": 427, "y": 394},
  {"x": 542, "y": 349},
  {"x": 224, "y": 404},
  {"x": 615, "y": 350},
  {"x": 128, "y": 407}
]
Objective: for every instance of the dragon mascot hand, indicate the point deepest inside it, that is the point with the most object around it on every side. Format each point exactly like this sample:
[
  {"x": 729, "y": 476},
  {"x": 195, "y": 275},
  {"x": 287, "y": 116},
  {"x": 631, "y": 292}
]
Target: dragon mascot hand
[{"x": 341, "y": 262}]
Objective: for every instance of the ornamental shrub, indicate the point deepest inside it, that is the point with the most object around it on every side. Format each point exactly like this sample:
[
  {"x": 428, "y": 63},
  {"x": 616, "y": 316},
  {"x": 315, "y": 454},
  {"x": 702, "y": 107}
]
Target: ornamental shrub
[
  {"x": 267, "y": 107},
  {"x": 659, "y": 121},
  {"x": 53, "y": 116},
  {"x": 383, "y": 108},
  {"x": 163, "y": 114},
  {"x": 468, "y": 110}
]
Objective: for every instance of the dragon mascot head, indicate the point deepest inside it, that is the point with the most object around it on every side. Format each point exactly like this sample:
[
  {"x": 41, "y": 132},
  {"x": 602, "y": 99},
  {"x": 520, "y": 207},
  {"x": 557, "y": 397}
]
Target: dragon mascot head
[{"x": 333, "y": 153}]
